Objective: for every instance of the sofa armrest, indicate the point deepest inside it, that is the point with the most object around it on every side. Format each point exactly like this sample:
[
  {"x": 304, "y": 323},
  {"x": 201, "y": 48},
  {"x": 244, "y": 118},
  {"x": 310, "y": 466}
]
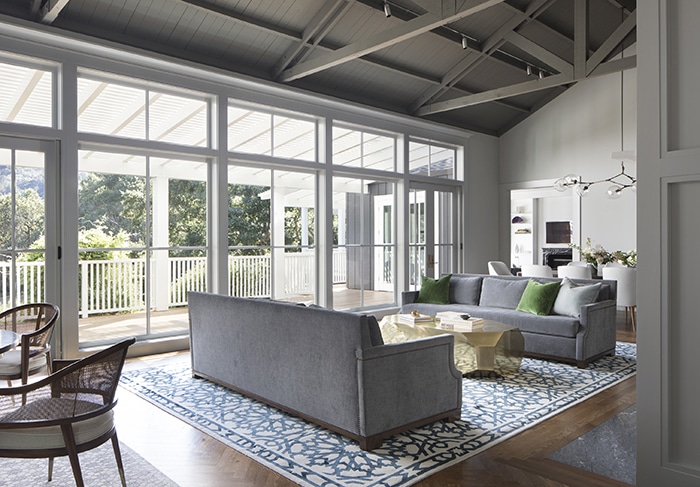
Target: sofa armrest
[
  {"x": 404, "y": 383},
  {"x": 408, "y": 297},
  {"x": 598, "y": 329}
]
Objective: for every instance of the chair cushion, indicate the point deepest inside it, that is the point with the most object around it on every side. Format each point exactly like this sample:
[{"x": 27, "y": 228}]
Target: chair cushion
[
  {"x": 435, "y": 291},
  {"x": 572, "y": 296},
  {"x": 10, "y": 362},
  {"x": 502, "y": 292},
  {"x": 538, "y": 298},
  {"x": 44, "y": 437}
]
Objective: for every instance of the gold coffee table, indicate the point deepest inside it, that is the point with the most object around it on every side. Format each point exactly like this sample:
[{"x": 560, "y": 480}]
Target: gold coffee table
[{"x": 491, "y": 350}]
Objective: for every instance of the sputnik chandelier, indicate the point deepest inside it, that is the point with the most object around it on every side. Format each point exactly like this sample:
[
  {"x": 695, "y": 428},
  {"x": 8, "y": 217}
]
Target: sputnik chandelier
[{"x": 620, "y": 182}]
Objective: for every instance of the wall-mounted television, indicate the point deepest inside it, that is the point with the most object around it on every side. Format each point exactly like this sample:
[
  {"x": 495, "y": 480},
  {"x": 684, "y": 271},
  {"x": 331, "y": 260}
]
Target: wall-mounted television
[{"x": 558, "y": 232}]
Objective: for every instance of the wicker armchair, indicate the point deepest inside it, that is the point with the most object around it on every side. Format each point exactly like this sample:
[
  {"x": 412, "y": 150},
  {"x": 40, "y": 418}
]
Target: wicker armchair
[
  {"x": 66, "y": 413},
  {"x": 35, "y": 324}
]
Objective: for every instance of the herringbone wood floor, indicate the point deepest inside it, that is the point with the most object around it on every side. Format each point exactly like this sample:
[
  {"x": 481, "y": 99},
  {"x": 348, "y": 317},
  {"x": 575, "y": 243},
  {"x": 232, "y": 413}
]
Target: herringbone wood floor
[{"x": 192, "y": 458}]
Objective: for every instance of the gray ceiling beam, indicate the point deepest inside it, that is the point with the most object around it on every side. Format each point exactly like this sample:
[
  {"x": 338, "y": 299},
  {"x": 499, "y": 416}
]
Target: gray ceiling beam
[
  {"x": 580, "y": 37},
  {"x": 623, "y": 30},
  {"x": 547, "y": 57},
  {"x": 523, "y": 88},
  {"x": 488, "y": 48},
  {"x": 407, "y": 30},
  {"x": 50, "y": 10},
  {"x": 326, "y": 13},
  {"x": 289, "y": 35}
]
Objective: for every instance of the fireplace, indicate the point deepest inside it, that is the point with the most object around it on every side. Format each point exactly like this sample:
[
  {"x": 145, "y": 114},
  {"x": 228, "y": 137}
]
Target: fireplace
[{"x": 556, "y": 256}]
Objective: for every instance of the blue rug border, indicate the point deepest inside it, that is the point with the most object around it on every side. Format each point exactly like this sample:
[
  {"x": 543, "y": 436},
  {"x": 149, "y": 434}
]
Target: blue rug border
[{"x": 303, "y": 475}]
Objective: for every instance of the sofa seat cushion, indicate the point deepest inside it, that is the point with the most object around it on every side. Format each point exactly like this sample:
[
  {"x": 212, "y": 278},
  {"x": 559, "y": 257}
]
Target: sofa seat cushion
[{"x": 555, "y": 325}]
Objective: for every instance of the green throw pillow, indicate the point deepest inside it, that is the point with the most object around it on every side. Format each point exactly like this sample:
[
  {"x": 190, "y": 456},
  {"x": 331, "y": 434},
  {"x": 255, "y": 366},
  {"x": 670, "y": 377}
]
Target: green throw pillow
[
  {"x": 538, "y": 298},
  {"x": 435, "y": 291}
]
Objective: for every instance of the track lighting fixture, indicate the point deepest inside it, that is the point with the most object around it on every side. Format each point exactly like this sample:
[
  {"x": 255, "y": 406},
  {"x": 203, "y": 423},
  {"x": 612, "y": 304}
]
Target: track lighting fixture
[
  {"x": 528, "y": 70},
  {"x": 387, "y": 9},
  {"x": 541, "y": 75},
  {"x": 465, "y": 42}
]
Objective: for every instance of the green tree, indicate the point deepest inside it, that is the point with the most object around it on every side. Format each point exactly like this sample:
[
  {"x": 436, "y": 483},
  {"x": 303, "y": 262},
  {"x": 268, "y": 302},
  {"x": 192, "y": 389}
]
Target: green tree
[
  {"x": 248, "y": 216},
  {"x": 29, "y": 219},
  {"x": 114, "y": 203},
  {"x": 187, "y": 225},
  {"x": 293, "y": 226}
]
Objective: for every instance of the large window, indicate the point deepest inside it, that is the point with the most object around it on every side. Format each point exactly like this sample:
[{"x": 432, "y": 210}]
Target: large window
[
  {"x": 148, "y": 152},
  {"x": 142, "y": 239}
]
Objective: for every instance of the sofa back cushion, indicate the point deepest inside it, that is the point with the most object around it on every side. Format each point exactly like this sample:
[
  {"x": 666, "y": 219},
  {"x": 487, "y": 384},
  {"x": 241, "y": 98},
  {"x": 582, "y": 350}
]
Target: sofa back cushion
[
  {"x": 465, "y": 290},
  {"x": 502, "y": 292}
]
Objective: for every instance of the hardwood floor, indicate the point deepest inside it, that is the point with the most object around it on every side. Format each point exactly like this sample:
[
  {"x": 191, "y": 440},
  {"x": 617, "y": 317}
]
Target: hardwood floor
[{"x": 192, "y": 458}]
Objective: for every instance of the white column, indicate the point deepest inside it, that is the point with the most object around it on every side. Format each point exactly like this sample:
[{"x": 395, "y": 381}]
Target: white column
[
  {"x": 277, "y": 216},
  {"x": 160, "y": 278}
]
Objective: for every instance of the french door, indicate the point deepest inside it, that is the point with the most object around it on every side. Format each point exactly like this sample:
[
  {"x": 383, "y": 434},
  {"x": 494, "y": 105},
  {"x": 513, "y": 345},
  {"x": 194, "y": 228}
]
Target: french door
[
  {"x": 28, "y": 222},
  {"x": 433, "y": 229}
]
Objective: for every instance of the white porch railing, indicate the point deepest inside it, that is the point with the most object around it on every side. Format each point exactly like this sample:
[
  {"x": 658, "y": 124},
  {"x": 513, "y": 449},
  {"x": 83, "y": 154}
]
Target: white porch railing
[{"x": 112, "y": 286}]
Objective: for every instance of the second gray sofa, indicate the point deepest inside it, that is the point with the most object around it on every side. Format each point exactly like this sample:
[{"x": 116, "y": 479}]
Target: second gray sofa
[
  {"x": 326, "y": 366},
  {"x": 579, "y": 339}
]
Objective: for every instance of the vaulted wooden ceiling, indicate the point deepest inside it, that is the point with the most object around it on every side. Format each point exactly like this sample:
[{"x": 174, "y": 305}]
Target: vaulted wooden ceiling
[{"x": 482, "y": 65}]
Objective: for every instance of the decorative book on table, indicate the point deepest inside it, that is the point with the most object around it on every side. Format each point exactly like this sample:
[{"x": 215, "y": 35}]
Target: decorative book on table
[
  {"x": 455, "y": 320},
  {"x": 413, "y": 319}
]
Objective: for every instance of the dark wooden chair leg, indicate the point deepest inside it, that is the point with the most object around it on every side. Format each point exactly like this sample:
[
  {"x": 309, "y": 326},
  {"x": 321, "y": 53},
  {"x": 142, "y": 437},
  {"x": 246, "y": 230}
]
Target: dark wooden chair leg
[
  {"x": 118, "y": 457},
  {"x": 50, "y": 468},
  {"x": 69, "y": 440}
]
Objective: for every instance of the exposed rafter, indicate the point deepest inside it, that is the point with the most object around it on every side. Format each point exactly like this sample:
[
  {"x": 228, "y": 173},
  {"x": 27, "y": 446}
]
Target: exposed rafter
[
  {"x": 381, "y": 40},
  {"x": 46, "y": 11},
  {"x": 324, "y": 20},
  {"x": 582, "y": 68},
  {"x": 522, "y": 88},
  {"x": 488, "y": 48}
]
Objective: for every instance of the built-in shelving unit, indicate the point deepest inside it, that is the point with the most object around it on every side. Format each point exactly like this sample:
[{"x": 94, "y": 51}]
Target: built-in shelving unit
[{"x": 522, "y": 228}]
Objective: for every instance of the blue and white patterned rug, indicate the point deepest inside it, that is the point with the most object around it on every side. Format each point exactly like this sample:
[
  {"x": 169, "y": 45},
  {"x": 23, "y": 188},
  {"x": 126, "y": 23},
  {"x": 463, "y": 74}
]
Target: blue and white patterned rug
[{"x": 492, "y": 410}]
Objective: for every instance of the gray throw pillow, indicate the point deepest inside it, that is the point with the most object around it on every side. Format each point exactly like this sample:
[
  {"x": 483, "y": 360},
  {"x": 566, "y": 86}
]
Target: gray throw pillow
[
  {"x": 465, "y": 290},
  {"x": 572, "y": 296},
  {"x": 502, "y": 293}
]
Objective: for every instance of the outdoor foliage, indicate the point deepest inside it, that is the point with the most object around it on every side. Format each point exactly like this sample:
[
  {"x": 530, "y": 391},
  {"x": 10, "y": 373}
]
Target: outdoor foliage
[{"x": 29, "y": 219}]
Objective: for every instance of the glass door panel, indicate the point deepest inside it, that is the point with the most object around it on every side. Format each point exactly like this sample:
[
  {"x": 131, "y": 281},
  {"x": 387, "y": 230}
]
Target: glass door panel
[
  {"x": 364, "y": 248},
  {"x": 432, "y": 228},
  {"x": 27, "y": 216},
  {"x": 142, "y": 244}
]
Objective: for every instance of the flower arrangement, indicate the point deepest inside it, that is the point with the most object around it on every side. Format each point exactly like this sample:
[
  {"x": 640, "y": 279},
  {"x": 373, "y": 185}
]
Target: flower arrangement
[{"x": 597, "y": 255}]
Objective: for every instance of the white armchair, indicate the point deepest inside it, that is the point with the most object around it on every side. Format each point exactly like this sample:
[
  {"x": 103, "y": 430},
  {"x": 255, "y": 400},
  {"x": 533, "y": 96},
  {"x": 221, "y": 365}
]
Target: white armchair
[
  {"x": 537, "y": 270},
  {"x": 498, "y": 268},
  {"x": 574, "y": 272},
  {"x": 626, "y": 278}
]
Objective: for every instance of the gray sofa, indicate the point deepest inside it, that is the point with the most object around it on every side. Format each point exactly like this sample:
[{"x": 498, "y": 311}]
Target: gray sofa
[
  {"x": 329, "y": 367},
  {"x": 580, "y": 340}
]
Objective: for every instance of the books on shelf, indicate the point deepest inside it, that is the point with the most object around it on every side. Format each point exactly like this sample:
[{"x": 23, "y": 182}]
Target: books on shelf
[
  {"x": 454, "y": 320},
  {"x": 413, "y": 320}
]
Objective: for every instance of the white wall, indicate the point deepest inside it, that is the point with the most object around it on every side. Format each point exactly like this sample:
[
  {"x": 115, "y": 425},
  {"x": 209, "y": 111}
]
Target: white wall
[
  {"x": 577, "y": 133},
  {"x": 481, "y": 203}
]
